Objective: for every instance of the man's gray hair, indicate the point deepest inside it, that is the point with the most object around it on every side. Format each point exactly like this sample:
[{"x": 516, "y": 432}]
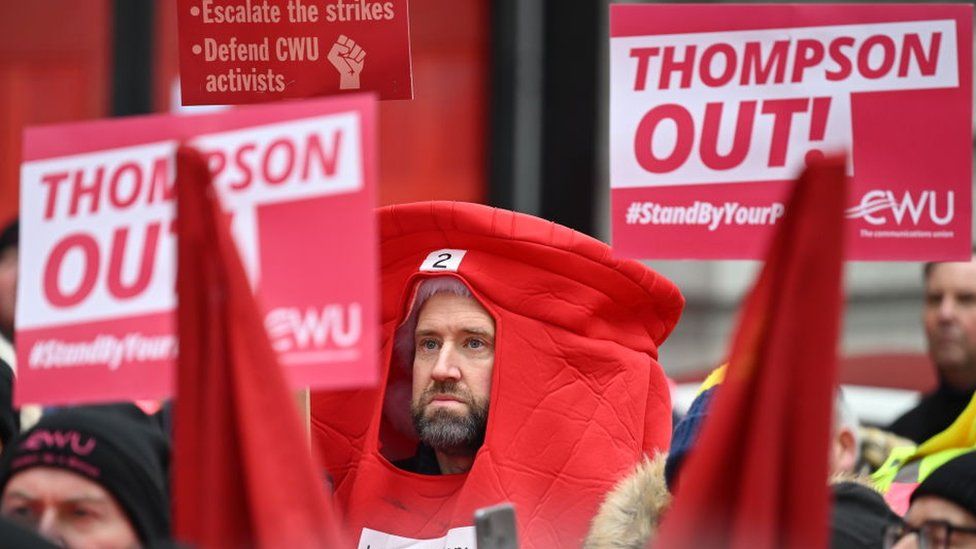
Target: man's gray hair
[{"x": 403, "y": 345}]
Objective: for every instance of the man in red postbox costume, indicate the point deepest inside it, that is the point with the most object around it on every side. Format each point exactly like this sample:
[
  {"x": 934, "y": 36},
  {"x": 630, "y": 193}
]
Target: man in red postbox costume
[{"x": 552, "y": 336}]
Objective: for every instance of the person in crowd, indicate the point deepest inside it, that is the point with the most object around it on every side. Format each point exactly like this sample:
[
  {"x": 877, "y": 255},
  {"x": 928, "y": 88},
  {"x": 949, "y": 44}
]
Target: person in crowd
[
  {"x": 629, "y": 516},
  {"x": 942, "y": 512},
  {"x": 949, "y": 317},
  {"x": 9, "y": 237},
  {"x": 858, "y": 512},
  {"x": 519, "y": 364},
  {"x": 844, "y": 444},
  {"x": 89, "y": 477},
  {"x": 449, "y": 338},
  {"x": 858, "y": 515},
  {"x": 908, "y": 465}
]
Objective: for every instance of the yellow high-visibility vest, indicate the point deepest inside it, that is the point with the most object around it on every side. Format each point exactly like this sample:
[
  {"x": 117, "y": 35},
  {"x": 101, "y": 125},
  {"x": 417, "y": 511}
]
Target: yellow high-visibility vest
[{"x": 912, "y": 464}]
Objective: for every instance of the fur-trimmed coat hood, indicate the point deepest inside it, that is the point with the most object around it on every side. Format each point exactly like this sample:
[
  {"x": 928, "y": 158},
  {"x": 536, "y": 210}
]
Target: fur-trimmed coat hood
[{"x": 629, "y": 515}]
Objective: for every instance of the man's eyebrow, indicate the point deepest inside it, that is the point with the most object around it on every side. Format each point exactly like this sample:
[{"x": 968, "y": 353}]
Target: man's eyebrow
[
  {"x": 17, "y": 494},
  {"x": 95, "y": 500},
  {"x": 476, "y": 331}
]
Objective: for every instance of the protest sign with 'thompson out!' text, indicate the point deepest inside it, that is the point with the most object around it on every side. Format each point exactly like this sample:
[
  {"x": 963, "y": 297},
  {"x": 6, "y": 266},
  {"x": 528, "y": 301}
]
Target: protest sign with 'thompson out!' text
[
  {"x": 95, "y": 309},
  {"x": 714, "y": 109}
]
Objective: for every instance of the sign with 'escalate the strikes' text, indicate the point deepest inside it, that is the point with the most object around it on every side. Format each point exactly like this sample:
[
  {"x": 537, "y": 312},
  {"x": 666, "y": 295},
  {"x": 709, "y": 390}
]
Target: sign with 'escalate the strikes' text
[
  {"x": 250, "y": 51},
  {"x": 715, "y": 109},
  {"x": 96, "y": 298}
]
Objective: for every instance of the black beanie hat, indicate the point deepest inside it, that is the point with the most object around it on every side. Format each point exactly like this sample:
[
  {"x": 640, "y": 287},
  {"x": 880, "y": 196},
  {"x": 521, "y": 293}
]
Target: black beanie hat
[
  {"x": 129, "y": 458},
  {"x": 954, "y": 480}
]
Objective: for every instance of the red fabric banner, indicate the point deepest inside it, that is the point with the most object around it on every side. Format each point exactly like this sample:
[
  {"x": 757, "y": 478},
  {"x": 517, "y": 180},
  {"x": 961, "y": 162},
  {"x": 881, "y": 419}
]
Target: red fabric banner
[
  {"x": 757, "y": 476},
  {"x": 243, "y": 475}
]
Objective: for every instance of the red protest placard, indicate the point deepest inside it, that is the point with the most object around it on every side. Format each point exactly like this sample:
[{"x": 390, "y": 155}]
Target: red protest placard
[
  {"x": 715, "y": 108},
  {"x": 96, "y": 294},
  {"x": 250, "y": 51}
]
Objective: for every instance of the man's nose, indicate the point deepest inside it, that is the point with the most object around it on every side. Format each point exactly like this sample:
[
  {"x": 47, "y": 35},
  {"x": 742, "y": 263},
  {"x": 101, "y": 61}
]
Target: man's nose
[
  {"x": 48, "y": 527},
  {"x": 446, "y": 367},
  {"x": 947, "y": 308}
]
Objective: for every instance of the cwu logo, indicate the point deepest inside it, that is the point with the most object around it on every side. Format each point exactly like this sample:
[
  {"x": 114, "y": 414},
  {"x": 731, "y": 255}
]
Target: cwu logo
[
  {"x": 878, "y": 207},
  {"x": 302, "y": 328}
]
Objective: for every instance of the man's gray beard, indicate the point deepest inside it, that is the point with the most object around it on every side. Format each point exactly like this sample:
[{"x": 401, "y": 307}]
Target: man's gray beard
[{"x": 450, "y": 433}]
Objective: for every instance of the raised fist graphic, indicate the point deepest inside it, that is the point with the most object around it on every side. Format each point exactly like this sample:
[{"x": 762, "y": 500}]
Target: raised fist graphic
[{"x": 347, "y": 58}]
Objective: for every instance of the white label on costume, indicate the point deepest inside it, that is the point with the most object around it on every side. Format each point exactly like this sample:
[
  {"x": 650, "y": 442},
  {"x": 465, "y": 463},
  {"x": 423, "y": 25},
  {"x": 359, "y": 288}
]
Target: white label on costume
[
  {"x": 456, "y": 538},
  {"x": 443, "y": 260}
]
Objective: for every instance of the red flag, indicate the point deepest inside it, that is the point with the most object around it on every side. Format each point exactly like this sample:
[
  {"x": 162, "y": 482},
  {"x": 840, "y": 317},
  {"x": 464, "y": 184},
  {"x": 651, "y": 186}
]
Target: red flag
[
  {"x": 243, "y": 475},
  {"x": 757, "y": 476}
]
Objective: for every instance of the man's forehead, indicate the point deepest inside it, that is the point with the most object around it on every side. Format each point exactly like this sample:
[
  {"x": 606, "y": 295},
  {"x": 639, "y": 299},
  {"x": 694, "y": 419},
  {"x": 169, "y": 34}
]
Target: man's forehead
[
  {"x": 445, "y": 307},
  {"x": 954, "y": 273},
  {"x": 66, "y": 485},
  {"x": 930, "y": 507}
]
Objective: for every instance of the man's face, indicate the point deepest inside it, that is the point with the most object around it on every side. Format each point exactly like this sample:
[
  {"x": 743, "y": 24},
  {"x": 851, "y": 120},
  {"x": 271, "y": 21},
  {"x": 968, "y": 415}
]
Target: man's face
[
  {"x": 68, "y": 509},
  {"x": 950, "y": 322},
  {"x": 453, "y": 360},
  {"x": 8, "y": 287},
  {"x": 934, "y": 509}
]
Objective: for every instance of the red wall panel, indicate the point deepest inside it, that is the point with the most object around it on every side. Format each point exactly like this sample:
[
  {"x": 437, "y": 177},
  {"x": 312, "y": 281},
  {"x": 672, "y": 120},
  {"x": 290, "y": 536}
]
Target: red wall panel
[{"x": 55, "y": 59}]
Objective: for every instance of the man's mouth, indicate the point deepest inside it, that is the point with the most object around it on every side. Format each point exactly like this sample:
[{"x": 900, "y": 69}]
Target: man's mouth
[
  {"x": 446, "y": 398},
  {"x": 446, "y": 401},
  {"x": 947, "y": 339}
]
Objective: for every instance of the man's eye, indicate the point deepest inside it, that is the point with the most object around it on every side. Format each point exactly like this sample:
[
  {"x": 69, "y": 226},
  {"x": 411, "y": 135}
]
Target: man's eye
[
  {"x": 21, "y": 514},
  {"x": 476, "y": 344},
  {"x": 966, "y": 299},
  {"x": 19, "y": 511},
  {"x": 427, "y": 345},
  {"x": 81, "y": 513}
]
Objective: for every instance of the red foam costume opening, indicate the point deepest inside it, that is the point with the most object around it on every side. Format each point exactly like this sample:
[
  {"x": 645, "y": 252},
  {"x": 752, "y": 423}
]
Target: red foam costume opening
[{"x": 577, "y": 393}]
